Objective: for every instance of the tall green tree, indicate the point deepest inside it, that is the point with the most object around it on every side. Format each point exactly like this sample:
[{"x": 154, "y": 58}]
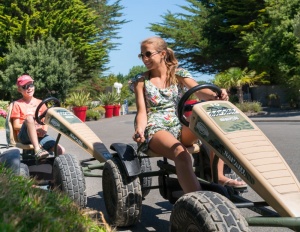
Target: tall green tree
[
  {"x": 206, "y": 38},
  {"x": 50, "y": 63},
  {"x": 71, "y": 21},
  {"x": 272, "y": 46},
  {"x": 109, "y": 20},
  {"x": 134, "y": 71},
  {"x": 236, "y": 78}
]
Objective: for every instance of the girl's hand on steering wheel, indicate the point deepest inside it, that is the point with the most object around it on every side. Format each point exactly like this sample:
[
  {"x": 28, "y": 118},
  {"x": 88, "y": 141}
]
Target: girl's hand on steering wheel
[{"x": 224, "y": 95}]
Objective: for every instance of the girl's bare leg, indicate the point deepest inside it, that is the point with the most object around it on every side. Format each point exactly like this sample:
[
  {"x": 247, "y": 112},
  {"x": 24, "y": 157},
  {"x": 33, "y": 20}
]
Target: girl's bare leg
[
  {"x": 166, "y": 144},
  {"x": 221, "y": 178},
  {"x": 189, "y": 138},
  {"x": 32, "y": 132}
]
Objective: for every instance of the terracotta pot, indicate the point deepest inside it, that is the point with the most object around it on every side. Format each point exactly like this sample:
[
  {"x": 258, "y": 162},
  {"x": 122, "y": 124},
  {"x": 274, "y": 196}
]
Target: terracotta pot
[{"x": 80, "y": 112}]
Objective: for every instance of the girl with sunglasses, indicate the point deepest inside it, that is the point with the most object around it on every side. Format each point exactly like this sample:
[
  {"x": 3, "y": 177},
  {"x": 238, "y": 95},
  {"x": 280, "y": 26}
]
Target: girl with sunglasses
[
  {"x": 157, "y": 127},
  {"x": 24, "y": 125}
]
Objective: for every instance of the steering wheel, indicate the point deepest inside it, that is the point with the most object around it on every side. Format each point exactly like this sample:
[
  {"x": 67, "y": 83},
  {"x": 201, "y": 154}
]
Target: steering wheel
[
  {"x": 182, "y": 107},
  {"x": 49, "y": 102}
]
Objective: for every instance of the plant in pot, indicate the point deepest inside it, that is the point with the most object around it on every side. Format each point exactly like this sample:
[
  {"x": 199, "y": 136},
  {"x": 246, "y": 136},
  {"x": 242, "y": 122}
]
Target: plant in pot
[
  {"x": 117, "y": 99},
  {"x": 108, "y": 100},
  {"x": 79, "y": 102}
]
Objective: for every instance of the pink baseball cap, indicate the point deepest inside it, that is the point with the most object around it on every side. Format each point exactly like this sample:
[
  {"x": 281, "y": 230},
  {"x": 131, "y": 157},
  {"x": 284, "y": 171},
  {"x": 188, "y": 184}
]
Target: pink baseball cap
[{"x": 22, "y": 80}]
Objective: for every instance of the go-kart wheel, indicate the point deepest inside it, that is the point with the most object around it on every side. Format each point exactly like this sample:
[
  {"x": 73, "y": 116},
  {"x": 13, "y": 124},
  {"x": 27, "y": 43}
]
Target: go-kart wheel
[
  {"x": 182, "y": 107},
  {"x": 49, "y": 102},
  {"x": 145, "y": 181},
  {"x": 68, "y": 177},
  {"x": 24, "y": 170},
  {"x": 122, "y": 194},
  {"x": 206, "y": 211}
]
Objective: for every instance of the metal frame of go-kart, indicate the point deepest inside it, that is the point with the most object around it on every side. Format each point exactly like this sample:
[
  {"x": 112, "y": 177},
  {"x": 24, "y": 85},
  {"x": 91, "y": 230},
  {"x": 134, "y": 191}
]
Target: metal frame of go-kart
[{"x": 244, "y": 148}]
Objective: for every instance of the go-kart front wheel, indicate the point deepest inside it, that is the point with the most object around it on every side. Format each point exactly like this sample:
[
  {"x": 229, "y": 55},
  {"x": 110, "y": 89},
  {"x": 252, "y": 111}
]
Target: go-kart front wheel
[
  {"x": 24, "y": 170},
  {"x": 68, "y": 177},
  {"x": 206, "y": 211},
  {"x": 122, "y": 194}
]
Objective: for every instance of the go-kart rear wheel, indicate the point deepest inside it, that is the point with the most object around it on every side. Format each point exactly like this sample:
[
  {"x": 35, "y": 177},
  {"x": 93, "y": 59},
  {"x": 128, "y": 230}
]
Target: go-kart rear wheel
[
  {"x": 206, "y": 211},
  {"x": 68, "y": 177},
  {"x": 122, "y": 194}
]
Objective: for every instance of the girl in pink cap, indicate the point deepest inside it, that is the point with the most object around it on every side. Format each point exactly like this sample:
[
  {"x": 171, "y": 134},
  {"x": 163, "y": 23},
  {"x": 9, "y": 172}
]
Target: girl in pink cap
[{"x": 24, "y": 125}]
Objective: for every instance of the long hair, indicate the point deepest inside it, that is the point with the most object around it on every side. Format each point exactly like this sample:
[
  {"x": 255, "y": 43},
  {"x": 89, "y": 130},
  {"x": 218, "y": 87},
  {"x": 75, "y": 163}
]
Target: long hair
[{"x": 170, "y": 59}]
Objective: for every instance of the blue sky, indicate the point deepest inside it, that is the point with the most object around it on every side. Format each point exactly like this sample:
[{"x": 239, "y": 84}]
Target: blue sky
[{"x": 141, "y": 13}]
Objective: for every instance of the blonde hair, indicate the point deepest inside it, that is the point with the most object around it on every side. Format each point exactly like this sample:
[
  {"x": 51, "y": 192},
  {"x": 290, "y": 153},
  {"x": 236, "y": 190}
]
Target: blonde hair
[{"x": 170, "y": 59}]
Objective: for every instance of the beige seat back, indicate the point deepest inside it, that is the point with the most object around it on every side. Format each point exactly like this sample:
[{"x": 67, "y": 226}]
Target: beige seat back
[{"x": 11, "y": 136}]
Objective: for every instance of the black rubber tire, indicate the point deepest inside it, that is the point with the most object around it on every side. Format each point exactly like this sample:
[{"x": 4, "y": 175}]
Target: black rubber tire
[
  {"x": 68, "y": 177},
  {"x": 24, "y": 170},
  {"x": 145, "y": 181},
  {"x": 206, "y": 211},
  {"x": 122, "y": 194}
]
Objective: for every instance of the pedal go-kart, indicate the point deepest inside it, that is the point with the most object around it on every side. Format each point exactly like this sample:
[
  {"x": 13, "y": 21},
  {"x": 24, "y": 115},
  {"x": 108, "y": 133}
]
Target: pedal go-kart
[
  {"x": 235, "y": 139},
  {"x": 64, "y": 171}
]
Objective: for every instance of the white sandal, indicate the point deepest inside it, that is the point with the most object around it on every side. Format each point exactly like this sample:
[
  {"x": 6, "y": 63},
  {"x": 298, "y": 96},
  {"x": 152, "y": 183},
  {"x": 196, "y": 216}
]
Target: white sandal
[{"x": 41, "y": 154}]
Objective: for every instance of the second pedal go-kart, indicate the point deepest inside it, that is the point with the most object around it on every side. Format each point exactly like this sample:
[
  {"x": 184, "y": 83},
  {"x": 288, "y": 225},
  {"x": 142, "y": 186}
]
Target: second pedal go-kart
[
  {"x": 56, "y": 171},
  {"x": 234, "y": 138}
]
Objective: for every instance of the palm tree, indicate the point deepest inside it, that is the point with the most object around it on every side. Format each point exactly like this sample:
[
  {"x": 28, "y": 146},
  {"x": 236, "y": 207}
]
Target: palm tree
[{"x": 236, "y": 77}]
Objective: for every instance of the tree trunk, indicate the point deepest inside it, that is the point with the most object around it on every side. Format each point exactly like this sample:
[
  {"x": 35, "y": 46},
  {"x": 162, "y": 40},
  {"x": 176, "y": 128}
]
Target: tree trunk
[{"x": 240, "y": 94}]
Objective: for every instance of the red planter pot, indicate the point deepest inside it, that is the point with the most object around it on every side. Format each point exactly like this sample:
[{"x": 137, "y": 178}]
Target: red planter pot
[
  {"x": 188, "y": 102},
  {"x": 116, "y": 111},
  {"x": 109, "y": 109},
  {"x": 80, "y": 112}
]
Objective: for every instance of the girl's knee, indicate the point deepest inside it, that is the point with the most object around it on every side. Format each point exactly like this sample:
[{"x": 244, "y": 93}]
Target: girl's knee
[
  {"x": 61, "y": 150},
  {"x": 29, "y": 119},
  {"x": 183, "y": 157}
]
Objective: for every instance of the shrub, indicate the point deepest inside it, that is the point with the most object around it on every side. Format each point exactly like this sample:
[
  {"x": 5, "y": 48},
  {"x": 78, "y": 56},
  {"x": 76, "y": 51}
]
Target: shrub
[
  {"x": 100, "y": 109},
  {"x": 249, "y": 106},
  {"x": 24, "y": 208},
  {"x": 92, "y": 114}
]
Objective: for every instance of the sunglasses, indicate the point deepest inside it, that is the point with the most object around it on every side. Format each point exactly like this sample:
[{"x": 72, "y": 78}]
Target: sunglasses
[
  {"x": 147, "y": 54},
  {"x": 25, "y": 87}
]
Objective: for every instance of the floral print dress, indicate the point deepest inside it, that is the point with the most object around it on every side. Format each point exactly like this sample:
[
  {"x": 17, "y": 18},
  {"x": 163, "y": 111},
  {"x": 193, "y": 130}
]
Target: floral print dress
[{"x": 161, "y": 105}]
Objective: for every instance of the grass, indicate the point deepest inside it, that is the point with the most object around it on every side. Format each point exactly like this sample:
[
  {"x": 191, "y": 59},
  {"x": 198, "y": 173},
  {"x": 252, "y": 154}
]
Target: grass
[{"x": 24, "y": 208}]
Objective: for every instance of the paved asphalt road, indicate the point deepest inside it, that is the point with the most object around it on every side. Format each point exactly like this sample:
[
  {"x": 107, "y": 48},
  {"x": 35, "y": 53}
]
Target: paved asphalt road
[{"x": 156, "y": 210}]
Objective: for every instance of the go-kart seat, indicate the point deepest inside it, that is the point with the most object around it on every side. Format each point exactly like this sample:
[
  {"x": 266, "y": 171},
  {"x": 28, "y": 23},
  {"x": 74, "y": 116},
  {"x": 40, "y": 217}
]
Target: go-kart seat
[{"x": 11, "y": 136}]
